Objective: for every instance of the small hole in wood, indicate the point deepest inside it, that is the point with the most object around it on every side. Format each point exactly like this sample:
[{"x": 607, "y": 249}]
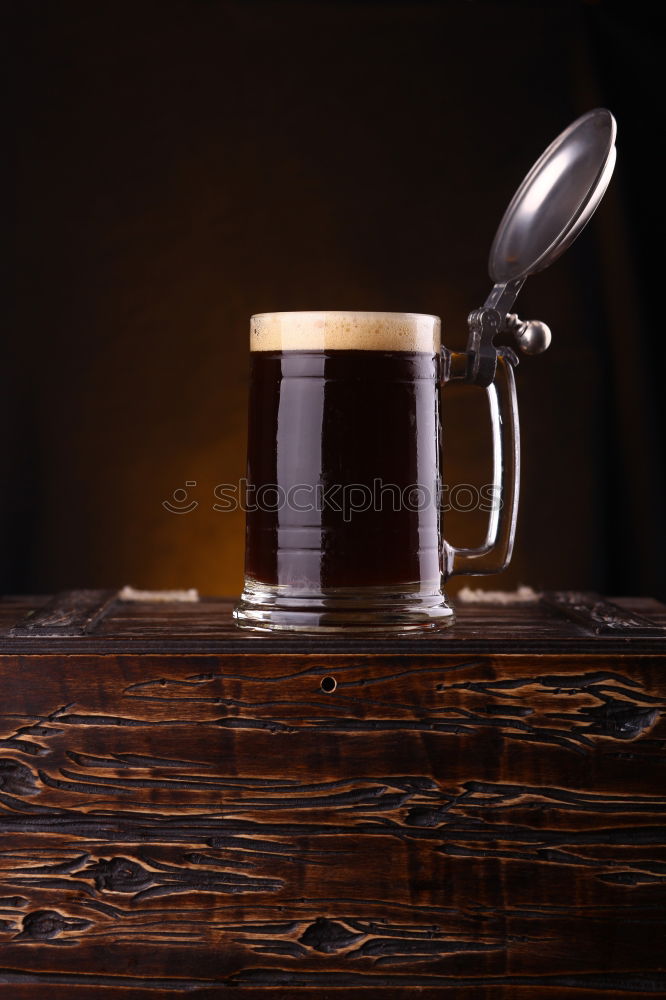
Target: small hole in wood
[{"x": 328, "y": 684}]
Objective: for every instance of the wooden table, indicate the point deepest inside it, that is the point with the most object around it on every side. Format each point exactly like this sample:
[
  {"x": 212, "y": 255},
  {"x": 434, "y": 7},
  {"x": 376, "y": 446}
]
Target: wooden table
[{"x": 477, "y": 814}]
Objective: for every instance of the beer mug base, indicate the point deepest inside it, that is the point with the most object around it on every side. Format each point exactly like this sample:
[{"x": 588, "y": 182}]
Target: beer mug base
[{"x": 365, "y": 610}]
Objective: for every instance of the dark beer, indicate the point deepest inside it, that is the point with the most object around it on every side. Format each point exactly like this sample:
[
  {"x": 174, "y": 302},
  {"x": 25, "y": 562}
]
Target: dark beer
[{"x": 344, "y": 469}]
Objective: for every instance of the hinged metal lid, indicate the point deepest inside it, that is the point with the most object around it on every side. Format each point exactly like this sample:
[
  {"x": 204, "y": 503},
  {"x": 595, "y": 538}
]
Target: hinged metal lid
[
  {"x": 550, "y": 208},
  {"x": 556, "y": 199}
]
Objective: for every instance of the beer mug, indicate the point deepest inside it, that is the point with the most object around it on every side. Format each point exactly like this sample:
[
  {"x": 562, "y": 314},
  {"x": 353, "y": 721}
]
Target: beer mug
[{"x": 344, "y": 527}]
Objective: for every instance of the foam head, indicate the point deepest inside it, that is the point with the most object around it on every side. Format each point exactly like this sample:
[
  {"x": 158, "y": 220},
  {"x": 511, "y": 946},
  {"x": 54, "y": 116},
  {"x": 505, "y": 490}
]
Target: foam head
[{"x": 345, "y": 331}]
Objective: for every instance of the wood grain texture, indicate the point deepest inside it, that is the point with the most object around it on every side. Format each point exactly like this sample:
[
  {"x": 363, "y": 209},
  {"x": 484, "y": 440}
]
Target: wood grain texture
[
  {"x": 206, "y": 626},
  {"x": 485, "y": 826},
  {"x": 72, "y": 613},
  {"x": 598, "y": 615}
]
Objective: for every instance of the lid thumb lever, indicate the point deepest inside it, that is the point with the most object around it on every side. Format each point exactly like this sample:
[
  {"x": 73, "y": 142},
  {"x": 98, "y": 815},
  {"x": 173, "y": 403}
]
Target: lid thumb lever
[{"x": 532, "y": 336}]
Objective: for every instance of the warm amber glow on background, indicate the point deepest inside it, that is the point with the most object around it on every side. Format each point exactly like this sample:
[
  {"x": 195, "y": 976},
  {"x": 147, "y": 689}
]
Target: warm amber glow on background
[{"x": 183, "y": 166}]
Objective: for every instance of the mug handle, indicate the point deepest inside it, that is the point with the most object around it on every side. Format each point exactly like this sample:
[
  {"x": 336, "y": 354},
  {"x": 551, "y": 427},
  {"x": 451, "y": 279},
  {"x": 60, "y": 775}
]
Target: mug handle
[{"x": 495, "y": 553}]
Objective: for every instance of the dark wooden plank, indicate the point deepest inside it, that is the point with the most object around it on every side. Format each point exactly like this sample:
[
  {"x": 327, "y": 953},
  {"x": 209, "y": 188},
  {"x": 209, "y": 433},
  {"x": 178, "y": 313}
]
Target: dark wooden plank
[
  {"x": 207, "y": 626},
  {"x": 489, "y": 826},
  {"x": 14, "y": 608},
  {"x": 70, "y": 613},
  {"x": 600, "y": 616}
]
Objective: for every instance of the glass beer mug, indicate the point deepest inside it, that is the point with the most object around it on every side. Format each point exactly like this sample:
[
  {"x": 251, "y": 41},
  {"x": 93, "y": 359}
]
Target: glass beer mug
[{"x": 343, "y": 506}]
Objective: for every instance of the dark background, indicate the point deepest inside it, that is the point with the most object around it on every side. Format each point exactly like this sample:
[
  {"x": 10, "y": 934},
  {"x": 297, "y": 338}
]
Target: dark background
[{"x": 181, "y": 165}]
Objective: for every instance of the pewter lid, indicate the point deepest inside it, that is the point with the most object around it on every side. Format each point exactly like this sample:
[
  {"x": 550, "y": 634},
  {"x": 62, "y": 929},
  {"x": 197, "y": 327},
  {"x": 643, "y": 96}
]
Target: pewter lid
[{"x": 556, "y": 199}]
